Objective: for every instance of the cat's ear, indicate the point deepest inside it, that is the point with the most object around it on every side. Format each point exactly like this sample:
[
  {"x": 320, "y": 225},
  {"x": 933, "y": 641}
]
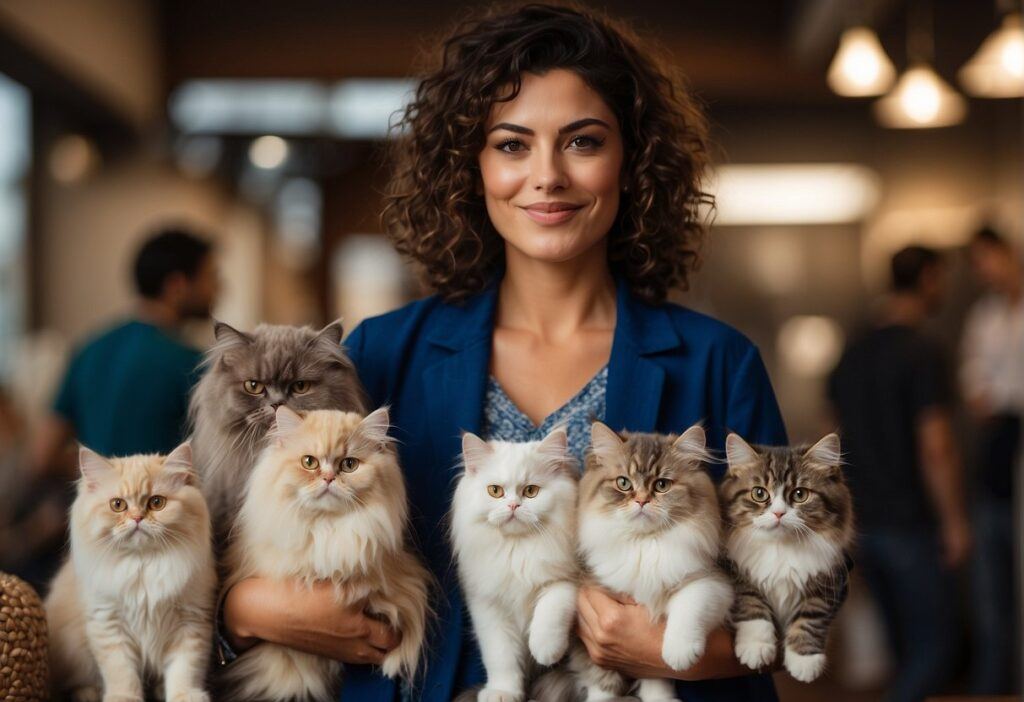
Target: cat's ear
[
  {"x": 94, "y": 467},
  {"x": 375, "y": 425},
  {"x": 693, "y": 444},
  {"x": 227, "y": 335},
  {"x": 554, "y": 449},
  {"x": 474, "y": 452},
  {"x": 826, "y": 452},
  {"x": 286, "y": 423},
  {"x": 178, "y": 472},
  {"x": 332, "y": 333},
  {"x": 605, "y": 443},
  {"x": 738, "y": 452}
]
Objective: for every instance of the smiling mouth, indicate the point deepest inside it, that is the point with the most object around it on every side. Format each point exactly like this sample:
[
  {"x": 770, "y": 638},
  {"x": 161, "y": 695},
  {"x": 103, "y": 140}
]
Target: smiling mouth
[{"x": 551, "y": 213}]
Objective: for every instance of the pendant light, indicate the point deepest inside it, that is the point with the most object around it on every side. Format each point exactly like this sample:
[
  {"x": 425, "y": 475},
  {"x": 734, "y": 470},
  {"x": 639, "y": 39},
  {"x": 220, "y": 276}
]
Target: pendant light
[
  {"x": 860, "y": 67},
  {"x": 997, "y": 68}
]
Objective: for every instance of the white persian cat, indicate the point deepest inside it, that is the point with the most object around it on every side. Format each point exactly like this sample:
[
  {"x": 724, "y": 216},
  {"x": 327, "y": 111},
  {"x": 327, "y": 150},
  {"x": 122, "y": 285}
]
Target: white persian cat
[
  {"x": 649, "y": 528},
  {"x": 134, "y": 602},
  {"x": 513, "y": 530},
  {"x": 326, "y": 502}
]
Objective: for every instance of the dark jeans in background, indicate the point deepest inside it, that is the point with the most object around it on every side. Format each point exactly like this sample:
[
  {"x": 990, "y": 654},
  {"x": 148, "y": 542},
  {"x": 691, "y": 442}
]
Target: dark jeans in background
[{"x": 917, "y": 596}]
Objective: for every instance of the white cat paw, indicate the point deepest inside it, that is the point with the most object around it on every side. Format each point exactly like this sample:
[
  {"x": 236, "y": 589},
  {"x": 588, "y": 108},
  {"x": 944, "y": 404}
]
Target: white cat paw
[
  {"x": 189, "y": 696},
  {"x": 86, "y": 694},
  {"x": 683, "y": 653},
  {"x": 548, "y": 649},
  {"x": 755, "y": 643},
  {"x": 804, "y": 668},
  {"x": 490, "y": 694}
]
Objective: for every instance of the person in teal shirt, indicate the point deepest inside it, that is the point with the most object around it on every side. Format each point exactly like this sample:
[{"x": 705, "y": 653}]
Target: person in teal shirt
[{"x": 126, "y": 390}]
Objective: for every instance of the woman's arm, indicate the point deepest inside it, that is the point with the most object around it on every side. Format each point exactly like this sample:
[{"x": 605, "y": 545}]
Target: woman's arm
[
  {"x": 619, "y": 635},
  {"x": 306, "y": 619}
]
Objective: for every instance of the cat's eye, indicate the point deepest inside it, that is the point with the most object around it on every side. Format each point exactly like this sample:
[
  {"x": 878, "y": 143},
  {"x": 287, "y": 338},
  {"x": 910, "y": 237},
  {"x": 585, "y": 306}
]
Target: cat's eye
[
  {"x": 253, "y": 387},
  {"x": 759, "y": 494},
  {"x": 623, "y": 483},
  {"x": 301, "y": 387},
  {"x": 531, "y": 491},
  {"x": 157, "y": 503},
  {"x": 310, "y": 462},
  {"x": 349, "y": 464},
  {"x": 118, "y": 505},
  {"x": 662, "y": 485},
  {"x": 495, "y": 491},
  {"x": 800, "y": 495}
]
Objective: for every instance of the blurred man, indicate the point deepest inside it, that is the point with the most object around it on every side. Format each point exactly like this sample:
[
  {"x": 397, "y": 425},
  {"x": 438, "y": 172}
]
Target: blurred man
[
  {"x": 126, "y": 391},
  {"x": 893, "y": 397},
  {"x": 992, "y": 376}
]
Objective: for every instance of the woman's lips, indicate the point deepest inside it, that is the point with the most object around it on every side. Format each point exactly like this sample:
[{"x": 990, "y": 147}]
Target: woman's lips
[{"x": 552, "y": 212}]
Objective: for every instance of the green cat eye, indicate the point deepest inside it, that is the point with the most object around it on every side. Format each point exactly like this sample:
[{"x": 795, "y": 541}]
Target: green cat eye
[
  {"x": 662, "y": 485},
  {"x": 157, "y": 503},
  {"x": 623, "y": 483},
  {"x": 531, "y": 491},
  {"x": 495, "y": 491},
  {"x": 759, "y": 494},
  {"x": 349, "y": 464},
  {"x": 118, "y": 505},
  {"x": 310, "y": 462},
  {"x": 301, "y": 387},
  {"x": 253, "y": 387},
  {"x": 800, "y": 495}
]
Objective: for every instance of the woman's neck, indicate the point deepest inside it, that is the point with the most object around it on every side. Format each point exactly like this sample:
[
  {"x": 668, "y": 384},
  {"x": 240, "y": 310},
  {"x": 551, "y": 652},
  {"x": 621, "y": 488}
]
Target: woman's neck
[{"x": 556, "y": 300}]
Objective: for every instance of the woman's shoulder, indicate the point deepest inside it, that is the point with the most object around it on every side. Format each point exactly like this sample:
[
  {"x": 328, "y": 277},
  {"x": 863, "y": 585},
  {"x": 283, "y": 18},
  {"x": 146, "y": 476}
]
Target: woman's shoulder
[{"x": 701, "y": 333}]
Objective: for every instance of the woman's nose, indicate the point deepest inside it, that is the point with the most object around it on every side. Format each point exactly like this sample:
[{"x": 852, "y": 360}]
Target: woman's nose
[{"x": 549, "y": 172}]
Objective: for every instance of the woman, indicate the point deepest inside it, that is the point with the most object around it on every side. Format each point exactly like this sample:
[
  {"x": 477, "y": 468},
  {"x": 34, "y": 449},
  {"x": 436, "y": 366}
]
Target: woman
[{"x": 550, "y": 184}]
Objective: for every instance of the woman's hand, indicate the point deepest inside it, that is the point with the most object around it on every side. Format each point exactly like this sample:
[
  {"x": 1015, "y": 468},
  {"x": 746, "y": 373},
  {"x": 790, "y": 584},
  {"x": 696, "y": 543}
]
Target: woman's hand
[
  {"x": 619, "y": 634},
  {"x": 306, "y": 619}
]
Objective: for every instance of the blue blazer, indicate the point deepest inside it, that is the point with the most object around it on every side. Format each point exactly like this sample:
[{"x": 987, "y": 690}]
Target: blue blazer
[{"x": 670, "y": 367}]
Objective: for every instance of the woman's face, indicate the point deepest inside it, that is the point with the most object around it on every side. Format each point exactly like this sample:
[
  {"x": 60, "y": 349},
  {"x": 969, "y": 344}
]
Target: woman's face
[{"x": 551, "y": 167}]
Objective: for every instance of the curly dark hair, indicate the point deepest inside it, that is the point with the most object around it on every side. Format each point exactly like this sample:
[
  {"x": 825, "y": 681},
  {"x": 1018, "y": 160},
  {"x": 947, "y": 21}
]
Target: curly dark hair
[{"x": 434, "y": 209}]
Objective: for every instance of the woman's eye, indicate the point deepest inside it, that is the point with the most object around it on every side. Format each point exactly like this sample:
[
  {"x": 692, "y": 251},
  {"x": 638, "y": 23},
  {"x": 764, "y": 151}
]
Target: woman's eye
[
  {"x": 510, "y": 146},
  {"x": 800, "y": 495},
  {"x": 495, "y": 491},
  {"x": 253, "y": 387},
  {"x": 623, "y": 483},
  {"x": 662, "y": 485},
  {"x": 118, "y": 505},
  {"x": 759, "y": 494},
  {"x": 157, "y": 503},
  {"x": 531, "y": 490},
  {"x": 349, "y": 464},
  {"x": 310, "y": 462},
  {"x": 301, "y": 387},
  {"x": 584, "y": 142}
]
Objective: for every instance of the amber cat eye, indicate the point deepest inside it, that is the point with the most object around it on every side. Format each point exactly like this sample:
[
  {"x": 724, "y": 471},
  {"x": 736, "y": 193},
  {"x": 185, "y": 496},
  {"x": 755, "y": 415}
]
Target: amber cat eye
[
  {"x": 118, "y": 505},
  {"x": 310, "y": 463},
  {"x": 800, "y": 495},
  {"x": 623, "y": 483},
  {"x": 495, "y": 491},
  {"x": 349, "y": 464},
  {"x": 662, "y": 485},
  {"x": 301, "y": 387},
  {"x": 759, "y": 494},
  {"x": 253, "y": 387},
  {"x": 157, "y": 503},
  {"x": 531, "y": 491}
]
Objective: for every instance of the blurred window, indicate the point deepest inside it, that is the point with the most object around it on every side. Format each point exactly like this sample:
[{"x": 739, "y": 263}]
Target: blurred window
[{"x": 15, "y": 153}]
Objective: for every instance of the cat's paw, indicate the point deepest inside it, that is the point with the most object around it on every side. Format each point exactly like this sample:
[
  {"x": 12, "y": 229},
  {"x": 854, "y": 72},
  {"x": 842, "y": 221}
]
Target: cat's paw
[
  {"x": 681, "y": 653},
  {"x": 86, "y": 694},
  {"x": 755, "y": 643},
  {"x": 121, "y": 697},
  {"x": 804, "y": 668},
  {"x": 189, "y": 696},
  {"x": 547, "y": 648},
  {"x": 490, "y": 694}
]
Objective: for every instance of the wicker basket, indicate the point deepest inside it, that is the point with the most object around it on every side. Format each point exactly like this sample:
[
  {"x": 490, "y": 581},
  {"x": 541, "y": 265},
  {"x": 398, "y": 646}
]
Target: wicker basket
[{"x": 23, "y": 656}]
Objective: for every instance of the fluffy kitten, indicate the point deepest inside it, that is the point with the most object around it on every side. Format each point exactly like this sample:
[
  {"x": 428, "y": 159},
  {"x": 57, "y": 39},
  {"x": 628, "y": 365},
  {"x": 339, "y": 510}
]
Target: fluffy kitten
[
  {"x": 649, "y": 528},
  {"x": 513, "y": 532},
  {"x": 247, "y": 376},
  {"x": 326, "y": 501},
  {"x": 789, "y": 527},
  {"x": 134, "y": 601}
]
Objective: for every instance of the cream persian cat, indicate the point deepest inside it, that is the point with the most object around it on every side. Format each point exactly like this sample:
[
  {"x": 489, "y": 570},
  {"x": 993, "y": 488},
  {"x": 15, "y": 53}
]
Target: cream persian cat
[
  {"x": 134, "y": 601},
  {"x": 326, "y": 502}
]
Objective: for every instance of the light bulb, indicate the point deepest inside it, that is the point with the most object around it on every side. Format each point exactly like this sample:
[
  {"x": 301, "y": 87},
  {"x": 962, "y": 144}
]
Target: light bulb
[{"x": 860, "y": 66}]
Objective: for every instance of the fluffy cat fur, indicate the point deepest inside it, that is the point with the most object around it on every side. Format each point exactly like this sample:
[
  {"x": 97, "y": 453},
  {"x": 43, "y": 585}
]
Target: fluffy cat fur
[
  {"x": 657, "y": 542},
  {"x": 133, "y": 603},
  {"x": 515, "y": 550},
  {"x": 335, "y": 521},
  {"x": 296, "y": 367},
  {"x": 787, "y": 550}
]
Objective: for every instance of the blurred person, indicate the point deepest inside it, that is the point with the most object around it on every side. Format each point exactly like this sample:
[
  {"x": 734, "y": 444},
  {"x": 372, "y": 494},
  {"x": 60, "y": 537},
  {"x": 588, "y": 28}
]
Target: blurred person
[
  {"x": 893, "y": 395},
  {"x": 992, "y": 377},
  {"x": 126, "y": 390}
]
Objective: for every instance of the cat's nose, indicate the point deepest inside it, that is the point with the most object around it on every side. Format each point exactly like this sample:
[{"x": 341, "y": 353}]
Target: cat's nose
[
  {"x": 641, "y": 502},
  {"x": 328, "y": 478},
  {"x": 513, "y": 506},
  {"x": 137, "y": 518},
  {"x": 778, "y": 514},
  {"x": 276, "y": 404}
]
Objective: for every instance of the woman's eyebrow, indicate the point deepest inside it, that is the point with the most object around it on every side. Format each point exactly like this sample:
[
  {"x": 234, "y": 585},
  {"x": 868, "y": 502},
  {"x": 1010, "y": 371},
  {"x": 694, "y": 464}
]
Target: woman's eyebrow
[{"x": 571, "y": 127}]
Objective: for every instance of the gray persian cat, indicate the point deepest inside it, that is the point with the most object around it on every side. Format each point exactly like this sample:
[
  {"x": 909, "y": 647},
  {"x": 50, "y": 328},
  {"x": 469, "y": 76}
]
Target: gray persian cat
[{"x": 247, "y": 377}]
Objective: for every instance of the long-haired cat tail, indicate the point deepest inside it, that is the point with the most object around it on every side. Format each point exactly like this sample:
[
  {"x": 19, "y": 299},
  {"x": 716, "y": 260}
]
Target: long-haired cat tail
[
  {"x": 789, "y": 528},
  {"x": 327, "y": 502},
  {"x": 134, "y": 601}
]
